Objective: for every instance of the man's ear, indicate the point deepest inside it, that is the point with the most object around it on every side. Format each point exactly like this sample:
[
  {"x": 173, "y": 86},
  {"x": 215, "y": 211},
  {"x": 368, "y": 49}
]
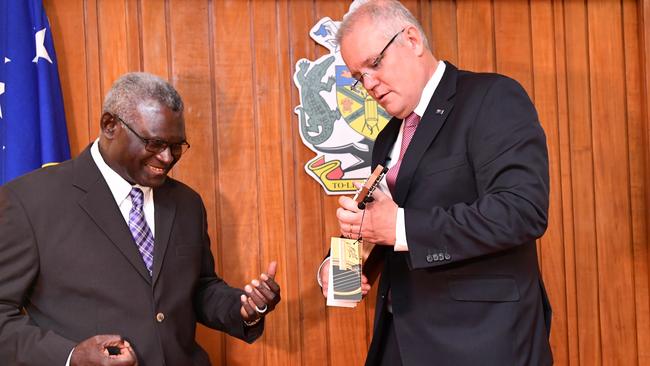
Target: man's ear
[
  {"x": 414, "y": 39},
  {"x": 108, "y": 124}
]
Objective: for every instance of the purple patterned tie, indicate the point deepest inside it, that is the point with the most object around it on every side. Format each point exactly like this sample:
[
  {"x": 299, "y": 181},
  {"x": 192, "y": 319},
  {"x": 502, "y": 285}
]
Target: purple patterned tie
[
  {"x": 411, "y": 123},
  {"x": 139, "y": 228}
]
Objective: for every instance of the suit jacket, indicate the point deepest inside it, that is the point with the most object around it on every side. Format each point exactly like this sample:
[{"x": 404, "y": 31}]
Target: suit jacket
[
  {"x": 68, "y": 259},
  {"x": 474, "y": 187}
]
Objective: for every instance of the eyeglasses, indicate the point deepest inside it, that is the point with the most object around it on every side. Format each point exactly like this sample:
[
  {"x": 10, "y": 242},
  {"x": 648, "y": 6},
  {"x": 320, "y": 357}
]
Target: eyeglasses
[
  {"x": 157, "y": 146},
  {"x": 376, "y": 62}
]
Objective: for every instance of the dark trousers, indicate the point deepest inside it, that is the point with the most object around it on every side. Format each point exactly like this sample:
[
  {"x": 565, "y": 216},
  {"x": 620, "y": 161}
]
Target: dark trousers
[{"x": 389, "y": 349}]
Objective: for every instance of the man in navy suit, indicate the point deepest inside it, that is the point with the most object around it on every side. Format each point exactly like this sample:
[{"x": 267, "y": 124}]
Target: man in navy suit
[
  {"x": 464, "y": 200},
  {"x": 105, "y": 260}
]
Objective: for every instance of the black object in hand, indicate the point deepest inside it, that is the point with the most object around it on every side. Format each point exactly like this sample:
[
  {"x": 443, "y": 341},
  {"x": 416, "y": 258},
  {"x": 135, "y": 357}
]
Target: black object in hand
[{"x": 113, "y": 351}]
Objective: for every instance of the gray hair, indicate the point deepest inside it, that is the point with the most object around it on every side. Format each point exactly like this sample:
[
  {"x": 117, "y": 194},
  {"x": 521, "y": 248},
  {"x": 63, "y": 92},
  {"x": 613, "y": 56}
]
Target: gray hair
[
  {"x": 133, "y": 88},
  {"x": 391, "y": 15}
]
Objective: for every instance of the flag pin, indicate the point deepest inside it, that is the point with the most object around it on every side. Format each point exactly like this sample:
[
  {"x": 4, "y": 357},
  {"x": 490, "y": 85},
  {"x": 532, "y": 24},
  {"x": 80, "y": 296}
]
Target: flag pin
[{"x": 440, "y": 111}]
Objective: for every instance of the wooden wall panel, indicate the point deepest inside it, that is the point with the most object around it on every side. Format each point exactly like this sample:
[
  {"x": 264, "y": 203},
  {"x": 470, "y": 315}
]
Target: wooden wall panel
[
  {"x": 290, "y": 257},
  {"x": 133, "y": 34},
  {"x": 582, "y": 177},
  {"x": 68, "y": 20},
  {"x": 564, "y": 345},
  {"x": 584, "y": 63},
  {"x": 113, "y": 42},
  {"x": 474, "y": 19},
  {"x": 93, "y": 72},
  {"x": 545, "y": 86},
  {"x": 638, "y": 183},
  {"x": 268, "y": 87},
  {"x": 236, "y": 149},
  {"x": 439, "y": 21},
  {"x": 642, "y": 249},
  {"x": 153, "y": 37},
  {"x": 188, "y": 58},
  {"x": 611, "y": 183},
  {"x": 512, "y": 42},
  {"x": 308, "y": 200}
]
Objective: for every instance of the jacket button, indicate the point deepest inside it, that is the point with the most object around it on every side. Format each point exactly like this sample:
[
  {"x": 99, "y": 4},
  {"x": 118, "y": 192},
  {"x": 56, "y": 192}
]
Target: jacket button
[
  {"x": 447, "y": 256},
  {"x": 160, "y": 317},
  {"x": 429, "y": 258},
  {"x": 435, "y": 257}
]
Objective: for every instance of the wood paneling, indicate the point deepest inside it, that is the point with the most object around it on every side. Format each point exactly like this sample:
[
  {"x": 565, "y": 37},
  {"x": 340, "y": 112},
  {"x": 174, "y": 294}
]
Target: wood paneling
[
  {"x": 312, "y": 328},
  {"x": 611, "y": 183},
  {"x": 581, "y": 178},
  {"x": 475, "y": 35},
  {"x": 545, "y": 84},
  {"x": 585, "y": 64},
  {"x": 565, "y": 344},
  {"x": 638, "y": 183}
]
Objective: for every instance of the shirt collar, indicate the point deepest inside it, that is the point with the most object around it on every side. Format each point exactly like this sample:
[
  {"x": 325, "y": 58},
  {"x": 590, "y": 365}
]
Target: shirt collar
[
  {"x": 119, "y": 187},
  {"x": 429, "y": 89}
]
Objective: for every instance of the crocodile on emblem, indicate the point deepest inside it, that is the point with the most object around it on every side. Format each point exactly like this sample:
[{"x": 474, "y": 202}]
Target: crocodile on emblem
[{"x": 316, "y": 117}]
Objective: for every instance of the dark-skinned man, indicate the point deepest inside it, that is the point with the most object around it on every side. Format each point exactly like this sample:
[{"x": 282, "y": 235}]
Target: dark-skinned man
[{"x": 105, "y": 260}]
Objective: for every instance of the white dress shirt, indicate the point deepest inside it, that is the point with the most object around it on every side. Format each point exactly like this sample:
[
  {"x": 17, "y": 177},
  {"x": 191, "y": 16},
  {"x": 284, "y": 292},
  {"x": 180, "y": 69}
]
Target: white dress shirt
[
  {"x": 120, "y": 189},
  {"x": 401, "y": 244}
]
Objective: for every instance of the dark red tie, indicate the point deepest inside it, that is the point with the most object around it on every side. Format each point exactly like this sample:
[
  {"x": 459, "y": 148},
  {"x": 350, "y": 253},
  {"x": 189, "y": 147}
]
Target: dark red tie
[{"x": 410, "y": 124}]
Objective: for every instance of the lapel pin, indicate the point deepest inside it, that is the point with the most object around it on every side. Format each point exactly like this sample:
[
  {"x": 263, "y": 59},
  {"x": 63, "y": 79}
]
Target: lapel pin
[{"x": 440, "y": 111}]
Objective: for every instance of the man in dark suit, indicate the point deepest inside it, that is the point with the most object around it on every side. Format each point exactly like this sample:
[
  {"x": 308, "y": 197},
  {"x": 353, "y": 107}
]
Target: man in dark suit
[
  {"x": 105, "y": 260},
  {"x": 464, "y": 200}
]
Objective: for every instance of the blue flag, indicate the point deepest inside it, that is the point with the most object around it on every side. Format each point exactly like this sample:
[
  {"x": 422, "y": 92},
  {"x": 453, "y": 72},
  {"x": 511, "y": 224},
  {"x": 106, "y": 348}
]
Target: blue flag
[{"x": 32, "y": 120}]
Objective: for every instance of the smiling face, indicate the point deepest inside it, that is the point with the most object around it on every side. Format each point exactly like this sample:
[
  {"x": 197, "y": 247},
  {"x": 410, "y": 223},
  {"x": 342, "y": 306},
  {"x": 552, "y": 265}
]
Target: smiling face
[
  {"x": 125, "y": 153},
  {"x": 397, "y": 81}
]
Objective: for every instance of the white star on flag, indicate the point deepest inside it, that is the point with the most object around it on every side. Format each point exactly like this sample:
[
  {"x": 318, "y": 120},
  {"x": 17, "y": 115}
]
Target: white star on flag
[
  {"x": 33, "y": 131},
  {"x": 2, "y": 91},
  {"x": 41, "y": 52},
  {"x": 2, "y": 85}
]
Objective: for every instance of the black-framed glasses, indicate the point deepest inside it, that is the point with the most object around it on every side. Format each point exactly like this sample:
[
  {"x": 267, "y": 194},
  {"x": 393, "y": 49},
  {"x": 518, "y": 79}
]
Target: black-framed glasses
[
  {"x": 376, "y": 62},
  {"x": 157, "y": 146}
]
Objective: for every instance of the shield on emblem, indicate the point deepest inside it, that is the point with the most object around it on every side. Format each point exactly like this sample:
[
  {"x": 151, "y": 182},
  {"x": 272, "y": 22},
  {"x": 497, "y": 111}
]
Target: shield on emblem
[{"x": 362, "y": 113}]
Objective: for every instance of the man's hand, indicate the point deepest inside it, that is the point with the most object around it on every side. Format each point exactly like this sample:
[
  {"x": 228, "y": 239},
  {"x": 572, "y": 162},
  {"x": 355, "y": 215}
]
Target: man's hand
[
  {"x": 324, "y": 279},
  {"x": 262, "y": 295},
  {"x": 104, "y": 350},
  {"x": 378, "y": 226}
]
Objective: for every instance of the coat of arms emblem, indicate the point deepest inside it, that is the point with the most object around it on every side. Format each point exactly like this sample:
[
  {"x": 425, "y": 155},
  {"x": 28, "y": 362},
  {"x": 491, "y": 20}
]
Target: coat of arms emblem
[{"x": 337, "y": 122}]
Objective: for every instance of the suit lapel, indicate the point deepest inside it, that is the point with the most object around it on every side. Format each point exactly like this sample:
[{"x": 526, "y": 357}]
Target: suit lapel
[
  {"x": 434, "y": 118},
  {"x": 165, "y": 211},
  {"x": 100, "y": 205}
]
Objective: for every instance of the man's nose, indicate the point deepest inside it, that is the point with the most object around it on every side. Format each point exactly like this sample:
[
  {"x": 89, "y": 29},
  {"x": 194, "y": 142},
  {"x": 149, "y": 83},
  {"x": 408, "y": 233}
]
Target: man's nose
[
  {"x": 166, "y": 155},
  {"x": 370, "y": 82}
]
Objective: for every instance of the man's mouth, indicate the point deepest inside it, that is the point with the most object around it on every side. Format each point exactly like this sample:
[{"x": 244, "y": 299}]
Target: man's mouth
[{"x": 157, "y": 170}]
